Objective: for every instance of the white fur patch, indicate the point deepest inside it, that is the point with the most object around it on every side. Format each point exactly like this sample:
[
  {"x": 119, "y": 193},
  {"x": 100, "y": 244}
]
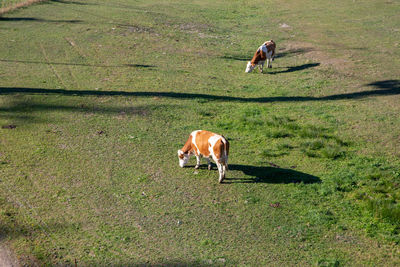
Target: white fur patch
[
  {"x": 213, "y": 140},
  {"x": 265, "y": 50},
  {"x": 194, "y": 133}
]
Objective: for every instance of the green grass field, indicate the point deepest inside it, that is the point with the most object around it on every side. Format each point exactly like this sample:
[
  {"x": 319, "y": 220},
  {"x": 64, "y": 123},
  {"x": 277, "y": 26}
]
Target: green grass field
[
  {"x": 96, "y": 97},
  {"x": 7, "y": 3},
  {"x": 10, "y": 5}
]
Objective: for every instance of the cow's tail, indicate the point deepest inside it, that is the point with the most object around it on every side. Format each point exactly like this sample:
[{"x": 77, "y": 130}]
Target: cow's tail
[{"x": 226, "y": 153}]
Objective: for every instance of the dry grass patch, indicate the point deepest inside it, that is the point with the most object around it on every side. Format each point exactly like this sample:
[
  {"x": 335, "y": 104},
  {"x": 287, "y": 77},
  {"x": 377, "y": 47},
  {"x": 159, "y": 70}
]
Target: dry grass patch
[{"x": 15, "y": 6}]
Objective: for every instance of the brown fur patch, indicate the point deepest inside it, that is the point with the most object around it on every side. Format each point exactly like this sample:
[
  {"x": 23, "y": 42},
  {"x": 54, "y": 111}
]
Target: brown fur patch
[
  {"x": 202, "y": 142},
  {"x": 187, "y": 147},
  {"x": 218, "y": 149},
  {"x": 259, "y": 55}
]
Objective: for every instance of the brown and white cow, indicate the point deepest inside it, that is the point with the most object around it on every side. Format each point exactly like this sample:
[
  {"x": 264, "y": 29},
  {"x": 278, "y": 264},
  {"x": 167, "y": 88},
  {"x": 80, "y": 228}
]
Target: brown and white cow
[
  {"x": 206, "y": 144},
  {"x": 265, "y": 52}
]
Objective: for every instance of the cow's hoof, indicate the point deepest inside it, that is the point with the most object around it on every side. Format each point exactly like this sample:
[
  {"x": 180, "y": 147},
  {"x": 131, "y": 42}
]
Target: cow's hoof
[
  {"x": 197, "y": 166},
  {"x": 270, "y": 66},
  {"x": 209, "y": 167}
]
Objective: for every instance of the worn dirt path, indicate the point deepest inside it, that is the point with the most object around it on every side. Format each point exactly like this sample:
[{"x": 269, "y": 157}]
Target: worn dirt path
[{"x": 7, "y": 258}]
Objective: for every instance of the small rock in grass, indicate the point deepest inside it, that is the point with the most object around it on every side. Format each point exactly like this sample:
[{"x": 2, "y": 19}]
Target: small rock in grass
[
  {"x": 273, "y": 165},
  {"x": 275, "y": 205},
  {"x": 284, "y": 25}
]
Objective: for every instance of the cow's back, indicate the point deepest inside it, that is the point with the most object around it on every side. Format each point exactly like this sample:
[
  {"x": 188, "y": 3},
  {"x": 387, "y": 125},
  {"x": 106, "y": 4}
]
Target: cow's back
[
  {"x": 258, "y": 56},
  {"x": 200, "y": 140}
]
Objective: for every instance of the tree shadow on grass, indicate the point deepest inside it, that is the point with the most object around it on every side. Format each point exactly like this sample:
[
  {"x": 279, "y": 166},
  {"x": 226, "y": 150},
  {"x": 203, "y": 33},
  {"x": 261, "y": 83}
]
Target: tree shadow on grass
[
  {"x": 15, "y": 230},
  {"x": 387, "y": 87},
  {"x": 27, "y": 112},
  {"x": 387, "y": 84},
  {"x": 143, "y": 66},
  {"x": 69, "y": 2},
  {"x": 270, "y": 175},
  {"x": 39, "y": 20},
  {"x": 31, "y": 107}
]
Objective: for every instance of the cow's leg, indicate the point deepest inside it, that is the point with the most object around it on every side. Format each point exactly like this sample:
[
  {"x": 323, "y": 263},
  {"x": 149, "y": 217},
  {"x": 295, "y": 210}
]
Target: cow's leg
[
  {"x": 262, "y": 66},
  {"x": 225, "y": 164},
  {"x": 198, "y": 157},
  {"x": 221, "y": 172},
  {"x": 224, "y": 167},
  {"x": 269, "y": 63},
  {"x": 209, "y": 163}
]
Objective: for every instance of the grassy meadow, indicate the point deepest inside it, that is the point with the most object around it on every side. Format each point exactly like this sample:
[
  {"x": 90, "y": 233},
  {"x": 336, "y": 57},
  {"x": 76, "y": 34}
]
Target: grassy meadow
[
  {"x": 96, "y": 97},
  {"x": 10, "y": 5}
]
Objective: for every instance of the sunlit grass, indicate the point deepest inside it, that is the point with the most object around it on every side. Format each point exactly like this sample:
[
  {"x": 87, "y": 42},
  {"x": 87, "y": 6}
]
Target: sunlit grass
[{"x": 96, "y": 97}]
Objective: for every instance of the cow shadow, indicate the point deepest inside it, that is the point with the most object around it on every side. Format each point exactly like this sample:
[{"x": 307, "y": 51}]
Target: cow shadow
[
  {"x": 294, "y": 68},
  {"x": 293, "y": 52},
  {"x": 271, "y": 175}
]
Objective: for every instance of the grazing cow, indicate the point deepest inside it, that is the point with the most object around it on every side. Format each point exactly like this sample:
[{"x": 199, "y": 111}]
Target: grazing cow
[
  {"x": 206, "y": 144},
  {"x": 264, "y": 52}
]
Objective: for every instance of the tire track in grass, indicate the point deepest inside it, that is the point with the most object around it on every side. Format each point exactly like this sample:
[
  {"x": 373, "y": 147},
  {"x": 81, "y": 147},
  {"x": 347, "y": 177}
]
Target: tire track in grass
[
  {"x": 75, "y": 47},
  {"x": 52, "y": 67},
  {"x": 70, "y": 70}
]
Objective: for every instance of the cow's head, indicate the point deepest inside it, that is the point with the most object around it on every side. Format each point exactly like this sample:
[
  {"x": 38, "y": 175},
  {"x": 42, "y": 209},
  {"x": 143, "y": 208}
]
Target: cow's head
[
  {"x": 183, "y": 158},
  {"x": 249, "y": 67}
]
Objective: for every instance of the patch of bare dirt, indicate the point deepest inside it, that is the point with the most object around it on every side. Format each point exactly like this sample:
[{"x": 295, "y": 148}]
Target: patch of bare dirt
[
  {"x": 193, "y": 27},
  {"x": 7, "y": 258},
  {"x": 313, "y": 53},
  {"x": 201, "y": 30}
]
